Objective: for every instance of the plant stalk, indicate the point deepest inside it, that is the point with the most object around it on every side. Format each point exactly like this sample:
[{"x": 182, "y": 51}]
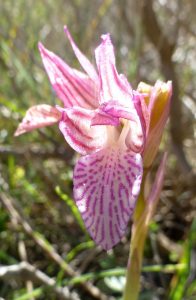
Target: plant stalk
[
  {"x": 132, "y": 286},
  {"x": 138, "y": 238}
]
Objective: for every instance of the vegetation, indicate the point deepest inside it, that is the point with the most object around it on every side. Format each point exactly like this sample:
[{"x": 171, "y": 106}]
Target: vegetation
[{"x": 45, "y": 251}]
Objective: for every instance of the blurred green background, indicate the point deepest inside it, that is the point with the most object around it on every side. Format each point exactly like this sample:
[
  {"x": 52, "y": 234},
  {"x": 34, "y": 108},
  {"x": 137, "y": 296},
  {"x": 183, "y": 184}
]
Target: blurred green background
[{"x": 153, "y": 39}]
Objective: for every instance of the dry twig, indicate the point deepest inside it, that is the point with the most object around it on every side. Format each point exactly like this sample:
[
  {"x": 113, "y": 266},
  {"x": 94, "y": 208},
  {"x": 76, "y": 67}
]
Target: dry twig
[
  {"x": 24, "y": 271},
  {"x": 36, "y": 151},
  {"x": 11, "y": 204}
]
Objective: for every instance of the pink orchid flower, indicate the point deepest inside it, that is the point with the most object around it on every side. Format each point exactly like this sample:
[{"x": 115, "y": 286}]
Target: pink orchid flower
[{"x": 105, "y": 121}]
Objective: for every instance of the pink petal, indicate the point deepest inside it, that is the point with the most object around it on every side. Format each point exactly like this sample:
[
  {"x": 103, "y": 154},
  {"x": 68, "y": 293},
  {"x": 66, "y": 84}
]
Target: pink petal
[
  {"x": 142, "y": 111},
  {"x": 112, "y": 85},
  {"x": 106, "y": 187},
  {"x": 38, "y": 116},
  {"x": 71, "y": 86},
  {"x": 115, "y": 109},
  {"x": 85, "y": 63},
  {"x": 134, "y": 138},
  {"x": 76, "y": 128},
  {"x": 102, "y": 118},
  {"x": 135, "y": 135}
]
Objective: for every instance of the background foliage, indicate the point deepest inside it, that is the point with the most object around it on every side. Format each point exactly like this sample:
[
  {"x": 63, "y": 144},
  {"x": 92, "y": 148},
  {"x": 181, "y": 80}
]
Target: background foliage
[{"x": 39, "y": 222}]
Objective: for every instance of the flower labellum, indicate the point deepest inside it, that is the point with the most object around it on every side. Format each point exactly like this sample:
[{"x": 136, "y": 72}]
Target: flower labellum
[{"x": 106, "y": 122}]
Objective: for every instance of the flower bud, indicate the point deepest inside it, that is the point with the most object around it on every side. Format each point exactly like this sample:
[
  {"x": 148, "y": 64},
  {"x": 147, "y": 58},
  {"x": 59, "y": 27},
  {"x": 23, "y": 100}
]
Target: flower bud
[{"x": 157, "y": 99}]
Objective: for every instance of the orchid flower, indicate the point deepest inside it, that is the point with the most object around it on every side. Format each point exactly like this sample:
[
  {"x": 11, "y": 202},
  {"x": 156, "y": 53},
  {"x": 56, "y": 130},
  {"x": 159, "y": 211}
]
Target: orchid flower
[{"x": 106, "y": 122}]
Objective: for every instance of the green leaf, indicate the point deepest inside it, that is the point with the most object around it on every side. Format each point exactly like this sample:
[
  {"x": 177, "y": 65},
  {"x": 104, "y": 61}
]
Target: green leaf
[
  {"x": 71, "y": 204},
  {"x": 34, "y": 294},
  {"x": 180, "y": 280}
]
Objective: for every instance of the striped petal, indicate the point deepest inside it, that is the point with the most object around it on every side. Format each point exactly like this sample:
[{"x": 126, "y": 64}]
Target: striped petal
[
  {"x": 72, "y": 87},
  {"x": 103, "y": 118},
  {"x": 135, "y": 135},
  {"x": 106, "y": 187},
  {"x": 142, "y": 111},
  {"x": 76, "y": 128},
  {"x": 85, "y": 63},
  {"x": 115, "y": 109},
  {"x": 112, "y": 85},
  {"x": 38, "y": 116}
]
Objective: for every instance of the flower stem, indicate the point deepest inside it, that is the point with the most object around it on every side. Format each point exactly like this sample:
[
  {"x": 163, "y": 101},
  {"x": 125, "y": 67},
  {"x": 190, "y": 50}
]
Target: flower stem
[
  {"x": 144, "y": 210},
  {"x": 132, "y": 286},
  {"x": 138, "y": 238}
]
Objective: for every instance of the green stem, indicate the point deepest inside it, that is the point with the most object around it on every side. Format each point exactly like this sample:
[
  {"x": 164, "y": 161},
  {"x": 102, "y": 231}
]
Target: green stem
[
  {"x": 132, "y": 286},
  {"x": 138, "y": 238}
]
